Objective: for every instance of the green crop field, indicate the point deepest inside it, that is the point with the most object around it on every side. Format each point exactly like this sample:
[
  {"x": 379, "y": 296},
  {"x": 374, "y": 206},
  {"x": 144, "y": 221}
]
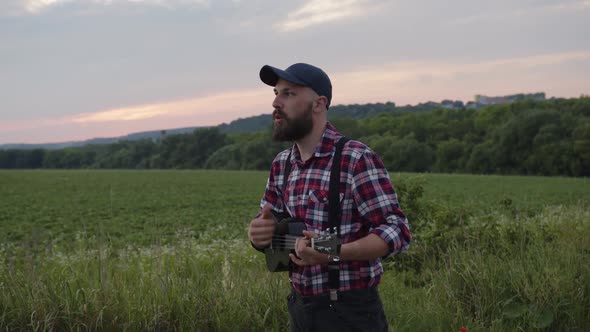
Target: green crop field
[
  {"x": 122, "y": 207},
  {"x": 168, "y": 250}
]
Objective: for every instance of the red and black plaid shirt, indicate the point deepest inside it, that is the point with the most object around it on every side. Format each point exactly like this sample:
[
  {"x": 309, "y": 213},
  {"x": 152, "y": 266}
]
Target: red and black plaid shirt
[{"x": 369, "y": 205}]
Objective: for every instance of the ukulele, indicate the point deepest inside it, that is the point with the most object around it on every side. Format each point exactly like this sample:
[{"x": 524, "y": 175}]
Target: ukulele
[{"x": 287, "y": 231}]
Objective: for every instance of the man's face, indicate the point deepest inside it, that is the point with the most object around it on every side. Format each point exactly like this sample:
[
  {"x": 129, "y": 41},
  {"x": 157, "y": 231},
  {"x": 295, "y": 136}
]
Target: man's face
[{"x": 293, "y": 110}]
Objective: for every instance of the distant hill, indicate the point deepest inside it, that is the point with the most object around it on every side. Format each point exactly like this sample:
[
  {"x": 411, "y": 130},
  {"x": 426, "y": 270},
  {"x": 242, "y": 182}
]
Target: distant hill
[
  {"x": 247, "y": 125},
  {"x": 155, "y": 134},
  {"x": 264, "y": 121},
  {"x": 239, "y": 126}
]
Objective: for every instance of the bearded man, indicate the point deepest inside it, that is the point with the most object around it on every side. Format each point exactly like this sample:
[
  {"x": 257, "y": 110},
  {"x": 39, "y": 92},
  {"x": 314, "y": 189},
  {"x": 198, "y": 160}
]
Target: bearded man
[{"x": 371, "y": 224}]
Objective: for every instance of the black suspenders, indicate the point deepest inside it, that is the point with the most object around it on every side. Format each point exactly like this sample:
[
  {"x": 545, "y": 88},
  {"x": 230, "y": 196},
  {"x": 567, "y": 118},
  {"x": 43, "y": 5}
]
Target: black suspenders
[{"x": 334, "y": 213}]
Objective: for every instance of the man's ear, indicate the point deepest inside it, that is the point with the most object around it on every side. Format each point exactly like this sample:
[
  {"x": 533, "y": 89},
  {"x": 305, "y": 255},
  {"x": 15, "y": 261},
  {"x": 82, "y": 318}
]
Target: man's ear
[{"x": 320, "y": 103}]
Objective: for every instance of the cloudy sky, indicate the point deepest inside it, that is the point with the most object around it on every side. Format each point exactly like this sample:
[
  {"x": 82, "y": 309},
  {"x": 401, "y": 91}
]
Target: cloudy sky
[{"x": 79, "y": 69}]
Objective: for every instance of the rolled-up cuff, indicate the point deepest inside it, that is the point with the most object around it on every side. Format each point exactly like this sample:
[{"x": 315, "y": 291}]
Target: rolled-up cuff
[{"x": 395, "y": 238}]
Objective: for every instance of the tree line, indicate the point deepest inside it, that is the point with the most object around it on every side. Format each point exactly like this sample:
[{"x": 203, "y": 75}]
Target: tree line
[{"x": 528, "y": 137}]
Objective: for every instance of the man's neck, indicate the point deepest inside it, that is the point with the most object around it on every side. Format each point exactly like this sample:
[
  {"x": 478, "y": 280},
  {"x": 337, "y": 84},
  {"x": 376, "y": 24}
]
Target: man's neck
[{"x": 307, "y": 144}]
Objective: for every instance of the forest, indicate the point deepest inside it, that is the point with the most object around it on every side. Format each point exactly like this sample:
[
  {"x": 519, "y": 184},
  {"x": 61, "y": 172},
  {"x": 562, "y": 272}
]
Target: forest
[{"x": 527, "y": 137}]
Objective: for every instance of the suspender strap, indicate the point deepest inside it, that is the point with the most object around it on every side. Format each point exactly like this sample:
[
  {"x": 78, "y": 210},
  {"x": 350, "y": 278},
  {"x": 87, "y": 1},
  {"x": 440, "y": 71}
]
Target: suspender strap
[
  {"x": 286, "y": 178},
  {"x": 334, "y": 215},
  {"x": 334, "y": 194},
  {"x": 286, "y": 173}
]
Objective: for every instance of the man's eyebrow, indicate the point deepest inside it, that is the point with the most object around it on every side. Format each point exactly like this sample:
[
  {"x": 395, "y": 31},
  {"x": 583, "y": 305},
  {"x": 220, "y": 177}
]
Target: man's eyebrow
[{"x": 286, "y": 89}]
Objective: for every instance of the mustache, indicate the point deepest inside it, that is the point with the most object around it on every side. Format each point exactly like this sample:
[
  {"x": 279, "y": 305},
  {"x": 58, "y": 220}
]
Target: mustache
[{"x": 277, "y": 112}]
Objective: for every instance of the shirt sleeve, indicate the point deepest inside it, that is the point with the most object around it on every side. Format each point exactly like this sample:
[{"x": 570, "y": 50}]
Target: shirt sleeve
[
  {"x": 273, "y": 194},
  {"x": 378, "y": 204}
]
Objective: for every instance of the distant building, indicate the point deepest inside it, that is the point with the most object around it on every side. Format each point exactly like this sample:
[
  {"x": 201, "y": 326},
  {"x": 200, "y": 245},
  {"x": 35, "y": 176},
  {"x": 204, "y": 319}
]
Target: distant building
[
  {"x": 480, "y": 101},
  {"x": 471, "y": 105},
  {"x": 486, "y": 100}
]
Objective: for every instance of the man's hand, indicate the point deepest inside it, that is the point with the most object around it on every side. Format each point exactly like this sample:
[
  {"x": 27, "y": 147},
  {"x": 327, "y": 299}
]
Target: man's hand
[
  {"x": 305, "y": 254},
  {"x": 262, "y": 228}
]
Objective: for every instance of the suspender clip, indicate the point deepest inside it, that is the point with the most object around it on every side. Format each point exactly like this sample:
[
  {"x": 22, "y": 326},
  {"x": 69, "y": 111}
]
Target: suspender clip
[{"x": 333, "y": 295}]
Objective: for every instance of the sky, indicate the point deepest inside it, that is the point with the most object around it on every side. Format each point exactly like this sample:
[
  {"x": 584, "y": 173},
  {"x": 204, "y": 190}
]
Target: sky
[{"x": 81, "y": 69}]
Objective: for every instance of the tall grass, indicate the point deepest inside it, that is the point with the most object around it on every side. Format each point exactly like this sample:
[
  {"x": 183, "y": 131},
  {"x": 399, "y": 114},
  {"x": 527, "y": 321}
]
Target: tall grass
[
  {"x": 528, "y": 273},
  {"x": 200, "y": 284},
  {"x": 531, "y": 273}
]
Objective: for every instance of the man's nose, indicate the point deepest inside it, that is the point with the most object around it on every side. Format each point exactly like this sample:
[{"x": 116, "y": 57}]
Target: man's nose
[{"x": 275, "y": 103}]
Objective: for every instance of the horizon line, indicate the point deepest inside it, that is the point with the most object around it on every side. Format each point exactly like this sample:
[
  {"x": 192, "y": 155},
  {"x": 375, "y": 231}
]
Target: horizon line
[{"x": 262, "y": 114}]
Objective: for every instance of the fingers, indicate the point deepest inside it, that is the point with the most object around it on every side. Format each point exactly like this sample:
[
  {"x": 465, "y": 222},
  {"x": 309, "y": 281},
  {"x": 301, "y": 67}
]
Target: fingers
[
  {"x": 296, "y": 260},
  {"x": 300, "y": 245},
  {"x": 262, "y": 228},
  {"x": 260, "y": 233},
  {"x": 304, "y": 254},
  {"x": 309, "y": 257},
  {"x": 266, "y": 212}
]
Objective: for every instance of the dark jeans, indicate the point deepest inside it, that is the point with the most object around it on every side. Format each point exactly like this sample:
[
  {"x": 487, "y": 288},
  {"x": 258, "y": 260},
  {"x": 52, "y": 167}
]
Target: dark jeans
[{"x": 355, "y": 310}]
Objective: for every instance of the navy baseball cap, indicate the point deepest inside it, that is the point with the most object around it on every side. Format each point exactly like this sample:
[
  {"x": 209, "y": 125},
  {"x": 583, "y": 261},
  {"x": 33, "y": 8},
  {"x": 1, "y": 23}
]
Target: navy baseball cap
[{"x": 300, "y": 74}]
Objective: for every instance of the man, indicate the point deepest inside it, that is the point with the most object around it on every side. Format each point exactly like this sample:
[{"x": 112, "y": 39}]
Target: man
[{"x": 372, "y": 225}]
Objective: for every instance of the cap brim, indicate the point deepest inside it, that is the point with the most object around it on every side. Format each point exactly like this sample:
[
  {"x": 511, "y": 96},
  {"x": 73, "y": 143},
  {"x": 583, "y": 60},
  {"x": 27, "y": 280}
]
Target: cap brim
[{"x": 271, "y": 75}]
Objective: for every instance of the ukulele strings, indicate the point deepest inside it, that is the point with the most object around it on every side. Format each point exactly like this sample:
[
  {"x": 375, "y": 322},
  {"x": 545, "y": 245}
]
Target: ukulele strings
[{"x": 284, "y": 239}]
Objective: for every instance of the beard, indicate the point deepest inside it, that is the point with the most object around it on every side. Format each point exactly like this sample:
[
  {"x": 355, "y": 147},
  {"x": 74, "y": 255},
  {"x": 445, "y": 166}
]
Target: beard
[{"x": 295, "y": 128}]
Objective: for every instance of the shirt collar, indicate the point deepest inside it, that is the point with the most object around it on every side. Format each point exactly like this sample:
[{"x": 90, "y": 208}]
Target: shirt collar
[{"x": 324, "y": 148}]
